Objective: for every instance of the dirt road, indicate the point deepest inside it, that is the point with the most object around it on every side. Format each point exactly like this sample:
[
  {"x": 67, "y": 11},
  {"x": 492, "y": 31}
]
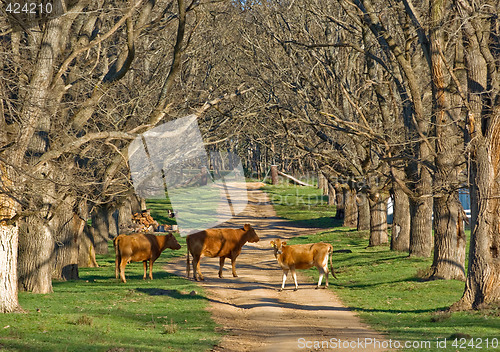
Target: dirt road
[{"x": 255, "y": 316}]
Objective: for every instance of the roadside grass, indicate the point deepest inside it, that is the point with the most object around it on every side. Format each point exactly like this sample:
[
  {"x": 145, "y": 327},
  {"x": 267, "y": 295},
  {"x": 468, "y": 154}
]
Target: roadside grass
[
  {"x": 385, "y": 287},
  {"x": 99, "y": 313}
]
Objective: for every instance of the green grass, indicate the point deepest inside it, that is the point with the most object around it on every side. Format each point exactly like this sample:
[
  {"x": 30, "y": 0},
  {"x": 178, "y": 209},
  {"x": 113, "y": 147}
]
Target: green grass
[
  {"x": 385, "y": 288},
  {"x": 99, "y": 313}
]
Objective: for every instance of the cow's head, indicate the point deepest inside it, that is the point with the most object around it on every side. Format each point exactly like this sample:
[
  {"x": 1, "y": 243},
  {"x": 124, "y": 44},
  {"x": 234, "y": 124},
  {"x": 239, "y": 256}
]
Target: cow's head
[
  {"x": 278, "y": 246},
  {"x": 250, "y": 233},
  {"x": 171, "y": 242}
]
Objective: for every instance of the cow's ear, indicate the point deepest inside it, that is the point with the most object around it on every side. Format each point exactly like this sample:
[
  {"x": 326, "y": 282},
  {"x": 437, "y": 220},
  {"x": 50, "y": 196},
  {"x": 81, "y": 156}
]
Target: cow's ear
[
  {"x": 272, "y": 244},
  {"x": 247, "y": 227},
  {"x": 283, "y": 243}
]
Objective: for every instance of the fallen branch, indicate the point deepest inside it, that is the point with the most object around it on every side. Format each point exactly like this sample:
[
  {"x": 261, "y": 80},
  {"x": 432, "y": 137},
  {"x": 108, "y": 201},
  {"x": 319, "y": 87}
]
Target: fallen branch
[{"x": 293, "y": 179}]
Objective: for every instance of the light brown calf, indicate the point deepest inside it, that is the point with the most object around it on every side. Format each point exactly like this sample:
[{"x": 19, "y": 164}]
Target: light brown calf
[
  {"x": 140, "y": 247},
  {"x": 222, "y": 243},
  {"x": 303, "y": 256}
]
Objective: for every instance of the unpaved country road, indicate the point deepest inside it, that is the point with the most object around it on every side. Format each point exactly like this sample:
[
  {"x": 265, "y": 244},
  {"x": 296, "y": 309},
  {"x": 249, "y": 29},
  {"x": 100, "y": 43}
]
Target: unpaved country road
[{"x": 254, "y": 315}]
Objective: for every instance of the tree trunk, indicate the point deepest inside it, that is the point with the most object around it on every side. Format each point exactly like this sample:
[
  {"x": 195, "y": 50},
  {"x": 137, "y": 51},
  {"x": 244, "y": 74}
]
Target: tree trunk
[
  {"x": 68, "y": 228},
  {"x": 36, "y": 249},
  {"x": 449, "y": 235},
  {"x": 350, "y": 208},
  {"x": 363, "y": 212},
  {"x": 9, "y": 235},
  {"x": 482, "y": 286},
  {"x": 8, "y": 268},
  {"x": 339, "y": 200},
  {"x": 449, "y": 239},
  {"x": 400, "y": 239},
  {"x": 483, "y": 274},
  {"x": 378, "y": 219},
  {"x": 274, "y": 174},
  {"x": 331, "y": 194},
  {"x": 125, "y": 215},
  {"x": 100, "y": 229},
  {"x": 86, "y": 249},
  {"x": 421, "y": 227}
]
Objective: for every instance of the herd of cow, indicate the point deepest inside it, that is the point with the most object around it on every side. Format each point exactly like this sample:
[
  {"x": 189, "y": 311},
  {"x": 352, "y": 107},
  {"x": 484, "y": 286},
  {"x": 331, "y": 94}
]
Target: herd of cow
[{"x": 222, "y": 243}]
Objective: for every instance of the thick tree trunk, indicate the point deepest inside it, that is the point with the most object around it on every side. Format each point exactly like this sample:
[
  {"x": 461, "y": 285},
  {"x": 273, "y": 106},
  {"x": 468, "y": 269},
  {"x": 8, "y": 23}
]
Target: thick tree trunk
[
  {"x": 421, "y": 227},
  {"x": 68, "y": 228},
  {"x": 100, "y": 229},
  {"x": 363, "y": 212},
  {"x": 125, "y": 214},
  {"x": 449, "y": 239},
  {"x": 482, "y": 286},
  {"x": 36, "y": 249},
  {"x": 449, "y": 235},
  {"x": 9, "y": 234},
  {"x": 331, "y": 195},
  {"x": 350, "y": 208},
  {"x": 86, "y": 249},
  {"x": 483, "y": 274},
  {"x": 8, "y": 268},
  {"x": 400, "y": 239},
  {"x": 378, "y": 219}
]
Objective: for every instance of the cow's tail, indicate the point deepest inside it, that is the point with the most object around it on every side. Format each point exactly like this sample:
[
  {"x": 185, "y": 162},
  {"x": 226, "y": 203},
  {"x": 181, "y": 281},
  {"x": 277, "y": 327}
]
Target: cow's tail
[
  {"x": 330, "y": 252},
  {"x": 188, "y": 265}
]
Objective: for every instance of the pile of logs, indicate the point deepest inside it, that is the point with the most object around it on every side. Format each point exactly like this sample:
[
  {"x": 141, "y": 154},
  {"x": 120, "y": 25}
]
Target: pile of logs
[{"x": 145, "y": 221}]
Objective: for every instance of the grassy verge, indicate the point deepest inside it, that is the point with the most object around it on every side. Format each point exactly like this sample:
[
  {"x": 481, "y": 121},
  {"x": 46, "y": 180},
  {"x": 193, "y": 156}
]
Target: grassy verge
[
  {"x": 384, "y": 287},
  {"x": 98, "y": 313}
]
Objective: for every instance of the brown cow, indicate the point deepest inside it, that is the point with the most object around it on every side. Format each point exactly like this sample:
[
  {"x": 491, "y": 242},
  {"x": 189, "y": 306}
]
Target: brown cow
[
  {"x": 303, "y": 256},
  {"x": 223, "y": 243},
  {"x": 139, "y": 247}
]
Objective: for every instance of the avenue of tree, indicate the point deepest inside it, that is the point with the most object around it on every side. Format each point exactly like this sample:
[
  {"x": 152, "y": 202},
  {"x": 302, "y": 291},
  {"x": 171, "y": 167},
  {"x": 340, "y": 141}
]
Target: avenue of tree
[{"x": 393, "y": 98}]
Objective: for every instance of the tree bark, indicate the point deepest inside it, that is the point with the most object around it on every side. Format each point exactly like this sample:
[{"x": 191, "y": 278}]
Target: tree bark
[
  {"x": 68, "y": 228},
  {"x": 378, "y": 219},
  {"x": 421, "y": 227},
  {"x": 331, "y": 194},
  {"x": 274, "y": 174},
  {"x": 449, "y": 239},
  {"x": 100, "y": 228},
  {"x": 363, "y": 212},
  {"x": 86, "y": 249},
  {"x": 482, "y": 286},
  {"x": 9, "y": 234},
  {"x": 400, "y": 239},
  {"x": 8, "y": 268},
  {"x": 340, "y": 208},
  {"x": 36, "y": 249},
  {"x": 350, "y": 208},
  {"x": 449, "y": 235}
]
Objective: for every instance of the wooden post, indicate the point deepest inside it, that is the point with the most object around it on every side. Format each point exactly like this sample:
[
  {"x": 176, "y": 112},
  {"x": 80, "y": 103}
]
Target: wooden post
[{"x": 274, "y": 174}]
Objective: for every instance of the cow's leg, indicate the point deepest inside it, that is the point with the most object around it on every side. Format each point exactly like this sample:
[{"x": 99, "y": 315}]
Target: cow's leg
[
  {"x": 151, "y": 261},
  {"x": 233, "y": 264},
  {"x": 321, "y": 274},
  {"x": 117, "y": 266},
  {"x": 196, "y": 268},
  {"x": 326, "y": 276},
  {"x": 221, "y": 265},
  {"x": 145, "y": 265},
  {"x": 122, "y": 269},
  {"x": 294, "y": 274},
  {"x": 285, "y": 273}
]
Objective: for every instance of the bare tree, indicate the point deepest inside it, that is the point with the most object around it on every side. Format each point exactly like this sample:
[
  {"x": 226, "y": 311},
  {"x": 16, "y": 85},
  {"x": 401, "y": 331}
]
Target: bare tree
[
  {"x": 60, "y": 129},
  {"x": 480, "y": 29}
]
